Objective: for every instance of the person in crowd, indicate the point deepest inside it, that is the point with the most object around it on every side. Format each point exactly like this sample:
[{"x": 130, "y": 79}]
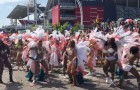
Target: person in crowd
[
  {"x": 91, "y": 62},
  {"x": 72, "y": 63},
  {"x": 42, "y": 55},
  {"x": 54, "y": 55},
  {"x": 65, "y": 59},
  {"x": 127, "y": 64},
  {"x": 110, "y": 51},
  {"x": 4, "y": 52},
  {"x": 19, "y": 47}
]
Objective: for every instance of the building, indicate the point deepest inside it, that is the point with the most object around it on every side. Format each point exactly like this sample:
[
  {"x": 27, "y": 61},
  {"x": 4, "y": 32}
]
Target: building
[
  {"x": 60, "y": 11},
  {"x": 20, "y": 12}
]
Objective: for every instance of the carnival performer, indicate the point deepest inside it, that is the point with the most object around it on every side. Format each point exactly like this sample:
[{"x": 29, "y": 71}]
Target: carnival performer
[
  {"x": 24, "y": 54},
  {"x": 33, "y": 60},
  {"x": 129, "y": 56},
  {"x": 136, "y": 37},
  {"x": 110, "y": 51},
  {"x": 91, "y": 61},
  {"x": 19, "y": 47},
  {"x": 65, "y": 58},
  {"x": 72, "y": 62},
  {"x": 54, "y": 55},
  {"x": 82, "y": 50},
  {"x": 42, "y": 56},
  {"x": 4, "y": 52}
]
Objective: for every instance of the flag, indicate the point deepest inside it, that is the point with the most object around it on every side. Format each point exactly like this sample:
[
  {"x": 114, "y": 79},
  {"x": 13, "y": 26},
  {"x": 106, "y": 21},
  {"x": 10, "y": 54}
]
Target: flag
[
  {"x": 97, "y": 19},
  {"x": 108, "y": 20},
  {"x": 69, "y": 27}
]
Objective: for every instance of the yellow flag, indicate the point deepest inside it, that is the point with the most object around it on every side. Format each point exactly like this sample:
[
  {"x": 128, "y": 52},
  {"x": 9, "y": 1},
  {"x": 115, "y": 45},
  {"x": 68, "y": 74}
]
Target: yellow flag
[{"x": 97, "y": 19}]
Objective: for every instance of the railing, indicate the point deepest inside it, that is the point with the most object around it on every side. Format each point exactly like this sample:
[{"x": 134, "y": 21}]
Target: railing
[
  {"x": 120, "y": 8},
  {"x": 138, "y": 13},
  {"x": 67, "y": 6},
  {"x": 130, "y": 12},
  {"x": 126, "y": 12},
  {"x": 131, "y": 9},
  {"x": 67, "y": 17},
  {"x": 120, "y": 11}
]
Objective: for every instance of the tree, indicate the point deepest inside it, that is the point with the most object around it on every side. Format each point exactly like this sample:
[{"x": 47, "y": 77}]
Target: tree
[
  {"x": 56, "y": 26},
  {"x": 75, "y": 28},
  {"x": 64, "y": 27}
]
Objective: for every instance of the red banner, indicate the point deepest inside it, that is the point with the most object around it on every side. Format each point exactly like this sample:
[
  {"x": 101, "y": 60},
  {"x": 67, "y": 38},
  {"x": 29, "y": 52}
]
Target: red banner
[
  {"x": 90, "y": 14},
  {"x": 55, "y": 14}
]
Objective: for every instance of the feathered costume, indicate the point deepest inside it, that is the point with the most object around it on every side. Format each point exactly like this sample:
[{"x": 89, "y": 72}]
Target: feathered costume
[{"x": 121, "y": 38}]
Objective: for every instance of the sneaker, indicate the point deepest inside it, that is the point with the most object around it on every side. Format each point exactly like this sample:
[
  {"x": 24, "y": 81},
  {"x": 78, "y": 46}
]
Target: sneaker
[
  {"x": 65, "y": 77},
  {"x": 91, "y": 74},
  {"x": 112, "y": 83},
  {"x": 107, "y": 80},
  {"x": 32, "y": 84}
]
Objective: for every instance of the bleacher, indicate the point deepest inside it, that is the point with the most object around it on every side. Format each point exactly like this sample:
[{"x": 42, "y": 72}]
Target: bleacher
[
  {"x": 64, "y": 5},
  {"x": 127, "y": 12},
  {"x": 67, "y": 17}
]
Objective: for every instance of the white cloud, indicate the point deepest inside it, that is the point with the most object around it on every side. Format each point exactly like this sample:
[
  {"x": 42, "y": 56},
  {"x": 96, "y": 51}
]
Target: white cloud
[{"x": 8, "y": 1}]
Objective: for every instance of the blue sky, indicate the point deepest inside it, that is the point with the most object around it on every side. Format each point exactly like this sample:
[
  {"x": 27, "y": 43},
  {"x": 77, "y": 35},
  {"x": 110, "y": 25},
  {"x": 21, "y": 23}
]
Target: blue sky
[{"x": 6, "y": 6}]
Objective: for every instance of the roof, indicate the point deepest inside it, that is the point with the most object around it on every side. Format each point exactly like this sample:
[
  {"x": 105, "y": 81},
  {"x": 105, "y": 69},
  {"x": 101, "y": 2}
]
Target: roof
[{"x": 20, "y": 12}]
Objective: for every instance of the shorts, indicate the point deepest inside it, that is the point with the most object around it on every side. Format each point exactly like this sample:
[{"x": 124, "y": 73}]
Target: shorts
[
  {"x": 110, "y": 58},
  {"x": 37, "y": 60},
  {"x": 127, "y": 67}
]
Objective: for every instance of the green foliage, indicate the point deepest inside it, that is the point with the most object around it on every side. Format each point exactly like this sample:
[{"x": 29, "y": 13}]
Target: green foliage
[
  {"x": 49, "y": 24},
  {"x": 34, "y": 27},
  {"x": 63, "y": 27},
  {"x": 59, "y": 27},
  {"x": 75, "y": 28},
  {"x": 56, "y": 27}
]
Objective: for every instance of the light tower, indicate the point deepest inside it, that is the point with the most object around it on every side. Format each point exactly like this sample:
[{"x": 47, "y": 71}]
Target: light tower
[
  {"x": 32, "y": 4},
  {"x": 81, "y": 12}
]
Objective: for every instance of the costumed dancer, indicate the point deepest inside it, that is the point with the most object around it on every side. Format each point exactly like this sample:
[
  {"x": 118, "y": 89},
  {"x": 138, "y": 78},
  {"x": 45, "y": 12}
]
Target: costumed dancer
[
  {"x": 110, "y": 51},
  {"x": 33, "y": 60},
  {"x": 136, "y": 37},
  {"x": 72, "y": 62},
  {"x": 65, "y": 58},
  {"x": 37, "y": 54},
  {"x": 91, "y": 61},
  {"x": 129, "y": 57},
  {"x": 82, "y": 50},
  {"x": 54, "y": 57},
  {"x": 56, "y": 49},
  {"x": 19, "y": 60},
  {"x": 42, "y": 56}
]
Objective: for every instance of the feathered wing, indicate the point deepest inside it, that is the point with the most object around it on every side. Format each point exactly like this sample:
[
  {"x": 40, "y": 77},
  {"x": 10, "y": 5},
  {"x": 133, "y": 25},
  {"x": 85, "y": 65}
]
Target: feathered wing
[
  {"x": 119, "y": 30},
  {"x": 98, "y": 37},
  {"x": 101, "y": 39},
  {"x": 82, "y": 49},
  {"x": 126, "y": 38}
]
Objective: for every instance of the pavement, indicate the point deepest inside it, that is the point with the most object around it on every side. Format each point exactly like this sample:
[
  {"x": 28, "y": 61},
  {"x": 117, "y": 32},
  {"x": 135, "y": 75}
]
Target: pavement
[{"x": 57, "y": 82}]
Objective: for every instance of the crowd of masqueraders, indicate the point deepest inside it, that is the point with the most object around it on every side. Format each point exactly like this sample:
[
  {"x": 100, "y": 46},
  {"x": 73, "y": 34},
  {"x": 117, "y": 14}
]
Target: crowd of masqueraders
[{"x": 41, "y": 52}]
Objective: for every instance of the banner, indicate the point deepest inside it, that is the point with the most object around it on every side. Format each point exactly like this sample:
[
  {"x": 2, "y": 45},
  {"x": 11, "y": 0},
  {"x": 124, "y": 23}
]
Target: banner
[{"x": 97, "y": 19}]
